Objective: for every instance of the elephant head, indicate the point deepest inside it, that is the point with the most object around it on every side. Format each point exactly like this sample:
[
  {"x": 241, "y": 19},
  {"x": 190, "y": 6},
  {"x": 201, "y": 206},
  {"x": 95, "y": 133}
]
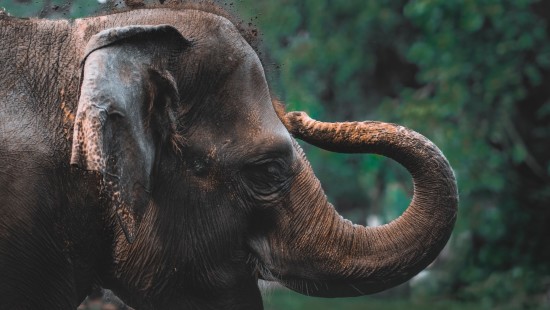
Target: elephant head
[{"x": 202, "y": 169}]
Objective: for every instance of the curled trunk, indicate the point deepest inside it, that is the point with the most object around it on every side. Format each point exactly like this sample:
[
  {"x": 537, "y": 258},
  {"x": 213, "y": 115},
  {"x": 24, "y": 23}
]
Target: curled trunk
[{"x": 317, "y": 252}]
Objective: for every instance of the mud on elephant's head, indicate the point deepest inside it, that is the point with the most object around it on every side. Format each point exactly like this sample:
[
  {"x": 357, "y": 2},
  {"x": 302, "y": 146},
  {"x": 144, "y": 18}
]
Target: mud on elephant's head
[{"x": 198, "y": 163}]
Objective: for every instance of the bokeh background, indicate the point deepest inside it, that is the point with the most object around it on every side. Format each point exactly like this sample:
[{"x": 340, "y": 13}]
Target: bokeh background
[{"x": 473, "y": 76}]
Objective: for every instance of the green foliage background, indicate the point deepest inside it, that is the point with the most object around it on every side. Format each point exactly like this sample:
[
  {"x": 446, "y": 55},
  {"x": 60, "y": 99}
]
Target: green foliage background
[{"x": 473, "y": 76}]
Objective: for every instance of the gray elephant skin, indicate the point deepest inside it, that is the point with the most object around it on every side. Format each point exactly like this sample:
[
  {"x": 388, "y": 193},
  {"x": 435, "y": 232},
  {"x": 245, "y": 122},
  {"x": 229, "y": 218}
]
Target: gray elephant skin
[{"x": 142, "y": 151}]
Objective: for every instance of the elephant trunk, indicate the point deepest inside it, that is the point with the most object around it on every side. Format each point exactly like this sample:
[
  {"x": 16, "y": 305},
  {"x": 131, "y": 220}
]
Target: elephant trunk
[{"x": 317, "y": 252}]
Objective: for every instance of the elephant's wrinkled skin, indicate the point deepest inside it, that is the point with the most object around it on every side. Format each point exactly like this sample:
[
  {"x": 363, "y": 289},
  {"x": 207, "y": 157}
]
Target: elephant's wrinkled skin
[{"x": 141, "y": 151}]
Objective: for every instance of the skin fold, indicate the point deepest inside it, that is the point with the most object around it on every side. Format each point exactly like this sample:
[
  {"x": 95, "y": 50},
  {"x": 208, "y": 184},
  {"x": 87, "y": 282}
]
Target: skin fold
[{"x": 142, "y": 151}]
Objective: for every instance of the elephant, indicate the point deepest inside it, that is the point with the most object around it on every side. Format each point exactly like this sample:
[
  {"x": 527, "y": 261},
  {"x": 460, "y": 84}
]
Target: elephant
[{"x": 143, "y": 151}]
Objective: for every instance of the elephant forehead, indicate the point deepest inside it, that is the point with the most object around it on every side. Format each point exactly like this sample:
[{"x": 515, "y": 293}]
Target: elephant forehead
[
  {"x": 242, "y": 123},
  {"x": 237, "y": 144},
  {"x": 238, "y": 103}
]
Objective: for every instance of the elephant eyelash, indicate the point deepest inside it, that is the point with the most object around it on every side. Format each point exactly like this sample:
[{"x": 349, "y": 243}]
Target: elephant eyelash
[{"x": 265, "y": 164}]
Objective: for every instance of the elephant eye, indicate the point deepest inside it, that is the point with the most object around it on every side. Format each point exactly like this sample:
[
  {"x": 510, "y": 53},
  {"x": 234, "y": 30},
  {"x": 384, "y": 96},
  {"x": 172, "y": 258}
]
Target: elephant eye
[
  {"x": 266, "y": 176},
  {"x": 266, "y": 169}
]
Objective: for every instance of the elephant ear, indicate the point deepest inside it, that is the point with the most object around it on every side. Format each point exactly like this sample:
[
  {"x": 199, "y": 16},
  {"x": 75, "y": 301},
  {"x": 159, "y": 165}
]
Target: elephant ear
[{"x": 127, "y": 95}]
